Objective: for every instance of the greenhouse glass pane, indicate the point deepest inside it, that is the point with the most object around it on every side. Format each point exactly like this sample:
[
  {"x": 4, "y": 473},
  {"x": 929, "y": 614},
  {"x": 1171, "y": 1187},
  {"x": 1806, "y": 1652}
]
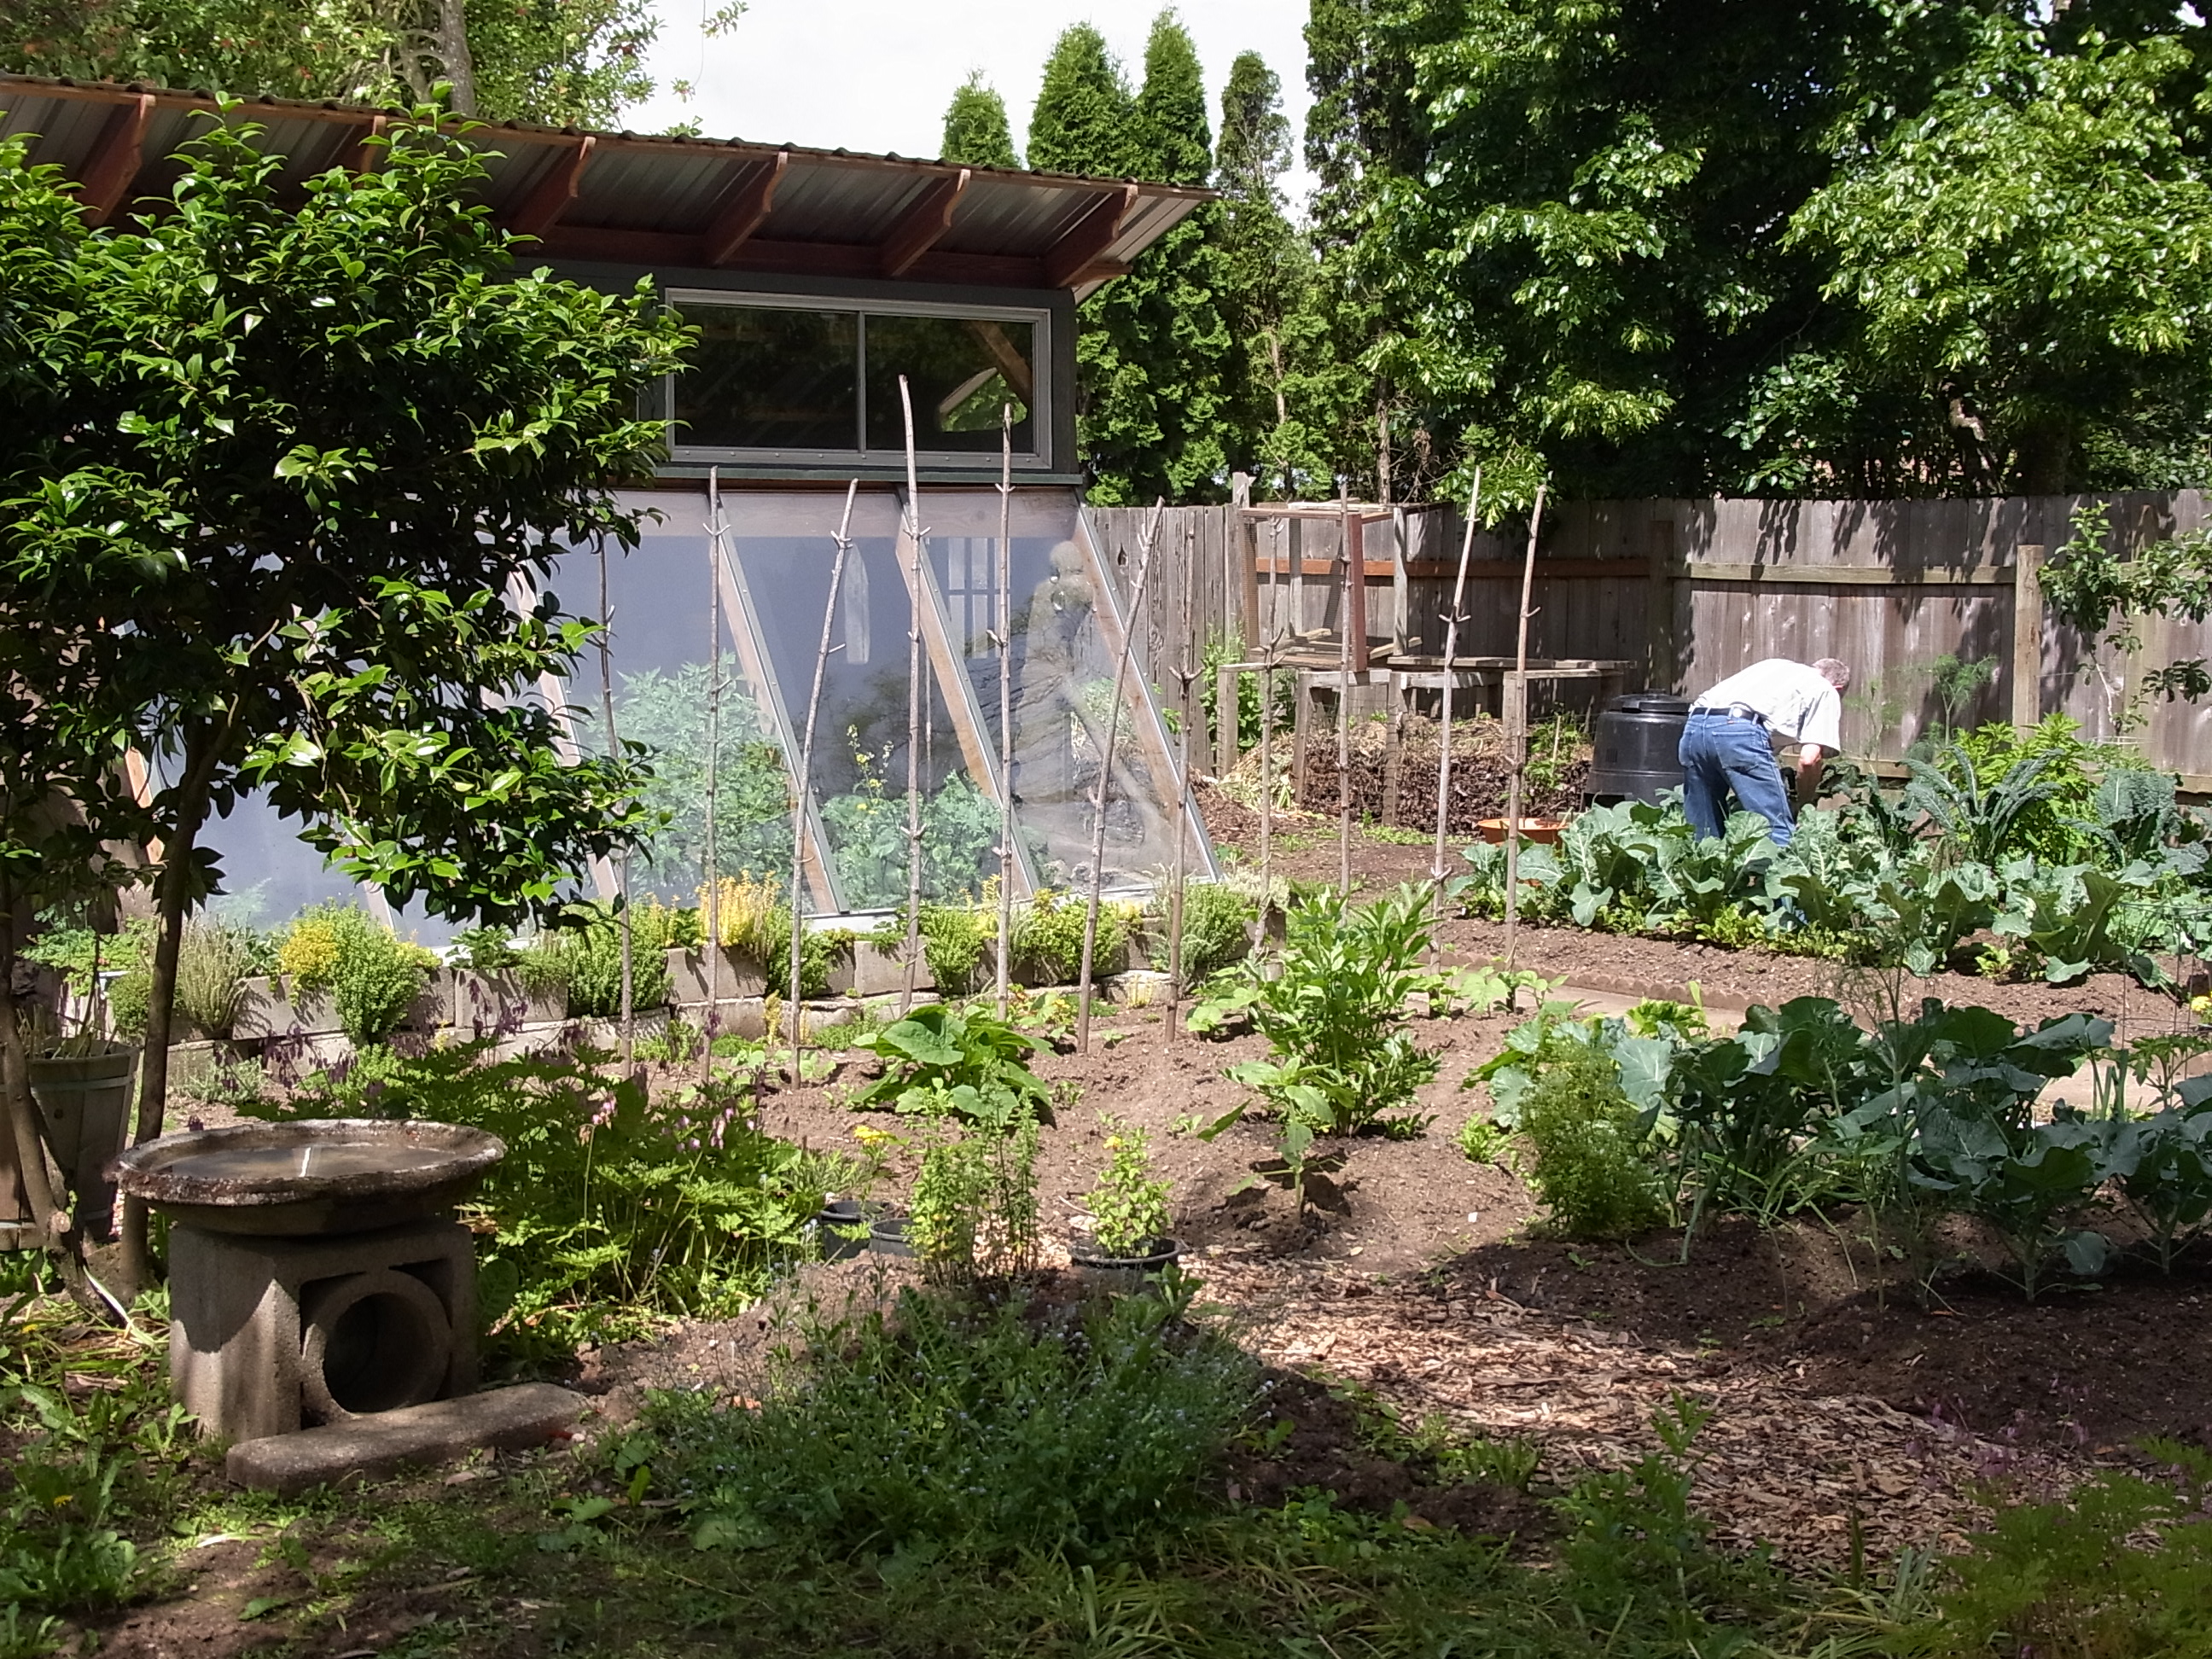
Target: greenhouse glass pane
[
  {"x": 661, "y": 616},
  {"x": 961, "y": 372},
  {"x": 1063, "y": 663},
  {"x": 784, "y": 549}
]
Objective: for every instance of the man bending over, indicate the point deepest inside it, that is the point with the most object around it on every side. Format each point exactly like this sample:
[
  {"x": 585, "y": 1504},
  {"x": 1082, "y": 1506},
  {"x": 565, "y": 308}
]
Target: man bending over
[{"x": 1728, "y": 742}]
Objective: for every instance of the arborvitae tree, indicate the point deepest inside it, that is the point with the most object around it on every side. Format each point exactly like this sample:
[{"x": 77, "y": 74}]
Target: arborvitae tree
[
  {"x": 975, "y": 130},
  {"x": 1267, "y": 290},
  {"x": 1084, "y": 115},
  {"x": 1149, "y": 415}
]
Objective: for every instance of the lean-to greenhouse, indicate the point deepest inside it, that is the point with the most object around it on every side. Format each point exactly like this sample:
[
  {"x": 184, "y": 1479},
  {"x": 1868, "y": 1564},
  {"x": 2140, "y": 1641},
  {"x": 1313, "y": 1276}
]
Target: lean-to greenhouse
[{"x": 818, "y": 281}]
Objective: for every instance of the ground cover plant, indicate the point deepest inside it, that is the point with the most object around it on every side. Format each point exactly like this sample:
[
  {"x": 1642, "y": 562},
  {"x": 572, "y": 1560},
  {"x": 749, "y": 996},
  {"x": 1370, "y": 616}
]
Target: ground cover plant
[
  {"x": 612, "y": 1208},
  {"x": 2003, "y": 855}
]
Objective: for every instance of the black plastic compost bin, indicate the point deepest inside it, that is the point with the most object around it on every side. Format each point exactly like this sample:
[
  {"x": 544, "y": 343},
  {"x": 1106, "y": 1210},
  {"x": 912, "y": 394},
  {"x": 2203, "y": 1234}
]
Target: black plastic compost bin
[{"x": 1637, "y": 747}]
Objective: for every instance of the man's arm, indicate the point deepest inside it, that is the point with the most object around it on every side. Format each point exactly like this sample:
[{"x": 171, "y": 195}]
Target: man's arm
[{"x": 1809, "y": 773}]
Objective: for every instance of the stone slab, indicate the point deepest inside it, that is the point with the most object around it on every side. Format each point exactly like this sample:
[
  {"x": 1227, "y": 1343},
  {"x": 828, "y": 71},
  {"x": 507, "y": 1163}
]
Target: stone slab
[{"x": 373, "y": 1448}]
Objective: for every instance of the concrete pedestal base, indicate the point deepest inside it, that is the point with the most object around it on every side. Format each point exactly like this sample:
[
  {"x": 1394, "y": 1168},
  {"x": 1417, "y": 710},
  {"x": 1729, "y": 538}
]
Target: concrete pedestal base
[{"x": 267, "y": 1332}]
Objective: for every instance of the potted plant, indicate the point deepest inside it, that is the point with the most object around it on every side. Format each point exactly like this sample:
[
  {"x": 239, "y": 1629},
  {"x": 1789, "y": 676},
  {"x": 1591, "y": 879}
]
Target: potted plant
[
  {"x": 83, "y": 1081},
  {"x": 1129, "y": 1211}
]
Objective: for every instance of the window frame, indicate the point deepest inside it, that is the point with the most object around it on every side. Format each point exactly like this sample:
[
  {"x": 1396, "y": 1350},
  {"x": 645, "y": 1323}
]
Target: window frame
[{"x": 1036, "y": 458}]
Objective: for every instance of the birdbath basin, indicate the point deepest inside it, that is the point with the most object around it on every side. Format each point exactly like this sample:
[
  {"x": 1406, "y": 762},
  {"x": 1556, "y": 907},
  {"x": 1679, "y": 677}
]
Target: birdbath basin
[{"x": 310, "y": 1176}]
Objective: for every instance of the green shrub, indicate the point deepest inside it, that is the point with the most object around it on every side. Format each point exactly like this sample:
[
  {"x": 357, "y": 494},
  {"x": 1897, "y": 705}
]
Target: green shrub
[
  {"x": 960, "y": 943},
  {"x": 974, "y": 1208},
  {"x": 372, "y": 975},
  {"x": 1335, "y": 1018},
  {"x": 610, "y": 1209},
  {"x": 588, "y": 946},
  {"x": 214, "y": 960},
  {"x": 966, "y": 1430},
  {"x": 1217, "y": 930},
  {"x": 1047, "y": 946},
  {"x": 939, "y": 1060},
  {"x": 1587, "y": 1144}
]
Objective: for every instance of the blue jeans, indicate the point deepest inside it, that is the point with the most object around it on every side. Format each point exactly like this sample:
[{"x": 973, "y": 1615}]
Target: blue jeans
[{"x": 1723, "y": 755}]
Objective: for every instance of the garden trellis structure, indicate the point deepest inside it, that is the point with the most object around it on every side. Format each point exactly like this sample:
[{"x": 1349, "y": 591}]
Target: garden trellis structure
[{"x": 817, "y": 279}]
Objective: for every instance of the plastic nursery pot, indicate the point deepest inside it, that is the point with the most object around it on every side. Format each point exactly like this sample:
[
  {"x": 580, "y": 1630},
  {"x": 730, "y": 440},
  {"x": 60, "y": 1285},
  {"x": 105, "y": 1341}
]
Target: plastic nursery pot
[
  {"x": 838, "y": 1229},
  {"x": 1123, "y": 1272},
  {"x": 887, "y": 1235},
  {"x": 1545, "y": 831}
]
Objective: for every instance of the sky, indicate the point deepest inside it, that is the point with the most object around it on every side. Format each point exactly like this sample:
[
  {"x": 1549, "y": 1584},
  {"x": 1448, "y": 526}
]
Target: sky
[{"x": 876, "y": 74}]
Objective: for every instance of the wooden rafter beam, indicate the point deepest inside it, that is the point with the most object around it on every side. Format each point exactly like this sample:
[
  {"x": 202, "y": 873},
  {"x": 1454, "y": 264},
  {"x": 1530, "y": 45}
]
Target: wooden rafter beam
[
  {"x": 358, "y": 155},
  {"x": 549, "y": 199},
  {"x": 112, "y": 166},
  {"x": 1069, "y": 260},
  {"x": 922, "y": 226},
  {"x": 744, "y": 211}
]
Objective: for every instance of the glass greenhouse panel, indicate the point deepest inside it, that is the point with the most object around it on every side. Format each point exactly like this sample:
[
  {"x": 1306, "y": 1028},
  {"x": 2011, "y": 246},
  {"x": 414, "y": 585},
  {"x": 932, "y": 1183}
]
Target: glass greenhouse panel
[{"x": 1066, "y": 649}]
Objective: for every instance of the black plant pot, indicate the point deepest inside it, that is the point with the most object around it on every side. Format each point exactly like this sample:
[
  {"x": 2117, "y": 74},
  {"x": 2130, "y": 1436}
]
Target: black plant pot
[
  {"x": 836, "y": 1233},
  {"x": 1123, "y": 1272},
  {"x": 887, "y": 1235}
]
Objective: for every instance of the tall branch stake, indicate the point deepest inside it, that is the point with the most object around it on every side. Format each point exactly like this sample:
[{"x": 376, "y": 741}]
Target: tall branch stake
[
  {"x": 1518, "y": 738},
  {"x": 710, "y": 868},
  {"x": 1185, "y": 672},
  {"x": 1006, "y": 700},
  {"x": 1354, "y": 572},
  {"x": 800, "y": 796},
  {"x": 1106, "y": 771},
  {"x": 614, "y": 753},
  {"x": 1452, "y": 620},
  {"x": 914, "y": 694}
]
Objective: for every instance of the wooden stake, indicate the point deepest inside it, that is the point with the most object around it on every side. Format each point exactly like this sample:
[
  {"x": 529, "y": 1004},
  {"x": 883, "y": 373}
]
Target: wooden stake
[
  {"x": 614, "y": 751},
  {"x": 710, "y": 868},
  {"x": 1006, "y": 700},
  {"x": 1106, "y": 773},
  {"x": 1186, "y": 673},
  {"x": 1452, "y": 619},
  {"x": 1347, "y": 609},
  {"x": 1517, "y": 736},
  {"x": 844, "y": 540},
  {"x": 913, "y": 694}
]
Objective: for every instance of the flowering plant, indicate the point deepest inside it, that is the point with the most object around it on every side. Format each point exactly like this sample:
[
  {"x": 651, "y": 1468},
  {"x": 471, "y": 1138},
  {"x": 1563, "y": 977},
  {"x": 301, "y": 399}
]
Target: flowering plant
[{"x": 1128, "y": 1207}]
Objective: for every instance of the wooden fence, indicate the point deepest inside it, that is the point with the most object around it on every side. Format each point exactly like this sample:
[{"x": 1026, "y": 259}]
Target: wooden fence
[{"x": 1695, "y": 590}]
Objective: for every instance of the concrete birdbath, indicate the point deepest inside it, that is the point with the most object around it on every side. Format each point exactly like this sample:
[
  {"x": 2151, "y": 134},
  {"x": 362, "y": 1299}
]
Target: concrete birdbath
[
  {"x": 313, "y": 1176},
  {"x": 316, "y": 1274}
]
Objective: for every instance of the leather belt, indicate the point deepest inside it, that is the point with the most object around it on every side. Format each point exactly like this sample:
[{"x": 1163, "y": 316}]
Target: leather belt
[{"x": 1740, "y": 711}]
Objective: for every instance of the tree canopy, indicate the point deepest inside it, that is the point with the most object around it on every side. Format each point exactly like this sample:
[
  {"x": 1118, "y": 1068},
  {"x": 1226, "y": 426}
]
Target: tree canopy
[
  {"x": 560, "y": 62},
  {"x": 1694, "y": 245}
]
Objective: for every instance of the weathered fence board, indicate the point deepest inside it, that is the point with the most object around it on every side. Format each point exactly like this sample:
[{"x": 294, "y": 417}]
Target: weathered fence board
[{"x": 1699, "y": 589}]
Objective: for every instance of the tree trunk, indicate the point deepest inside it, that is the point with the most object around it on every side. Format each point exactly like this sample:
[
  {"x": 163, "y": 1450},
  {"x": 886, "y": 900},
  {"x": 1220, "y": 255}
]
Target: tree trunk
[
  {"x": 174, "y": 895},
  {"x": 459, "y": 64},
  {"x": 2043, "y": 452}
]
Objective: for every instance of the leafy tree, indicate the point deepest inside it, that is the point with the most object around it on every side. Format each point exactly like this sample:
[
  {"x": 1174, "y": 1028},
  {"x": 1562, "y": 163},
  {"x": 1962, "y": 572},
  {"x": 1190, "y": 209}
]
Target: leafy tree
[
  {"x": 281, "y": 521},
  {"x": 976, "y": 134},
  {"x": 2032, "y": 252},
  {"x": 1286, "y": 385},
  {"x": 1852, "y": 248},
  {"x": 555, "y": 61}
]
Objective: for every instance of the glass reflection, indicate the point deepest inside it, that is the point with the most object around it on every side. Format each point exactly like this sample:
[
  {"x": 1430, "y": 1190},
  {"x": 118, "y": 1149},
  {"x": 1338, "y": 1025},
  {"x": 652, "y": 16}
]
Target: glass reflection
[
  {"x": 962, "y": 372},
  {"x": 770, "y": 379}
]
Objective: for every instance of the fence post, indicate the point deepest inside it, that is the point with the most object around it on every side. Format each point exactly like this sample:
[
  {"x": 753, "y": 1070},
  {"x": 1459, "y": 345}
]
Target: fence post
[
  {"x": 2027, "y": 637},
  {"x": 1226, "y": 713}
]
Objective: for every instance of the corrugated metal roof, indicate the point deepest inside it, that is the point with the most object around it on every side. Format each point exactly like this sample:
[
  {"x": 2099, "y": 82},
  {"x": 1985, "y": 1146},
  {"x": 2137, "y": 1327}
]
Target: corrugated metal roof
[{"x": 653, "y": 201}]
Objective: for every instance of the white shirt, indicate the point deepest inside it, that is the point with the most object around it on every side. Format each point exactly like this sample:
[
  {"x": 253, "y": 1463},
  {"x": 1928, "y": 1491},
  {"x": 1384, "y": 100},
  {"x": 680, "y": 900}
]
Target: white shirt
[{"x": 1800, "y": 706}]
